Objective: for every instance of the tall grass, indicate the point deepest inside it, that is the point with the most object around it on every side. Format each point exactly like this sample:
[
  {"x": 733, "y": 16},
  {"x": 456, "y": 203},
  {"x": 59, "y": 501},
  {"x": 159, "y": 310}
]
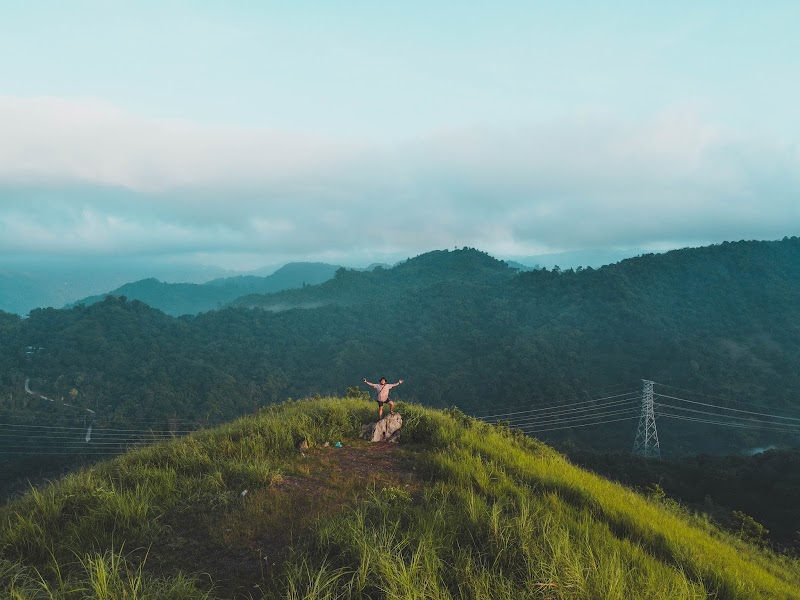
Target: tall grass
[
  {"x": 500, "y": 516},
  {"x": 107, "y": 576},
  {"x": 506, "y": 517},
  {"x": 123, "y": 501}
]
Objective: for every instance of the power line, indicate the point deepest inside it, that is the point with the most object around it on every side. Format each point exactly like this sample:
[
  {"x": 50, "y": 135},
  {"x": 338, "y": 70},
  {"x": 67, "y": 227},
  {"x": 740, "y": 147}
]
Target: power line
[
  {"x": 572, "y": 415},
  {"x": 10, "y": 429},
  {"x": 528, "y": 403},
  {"x": 554, "y": 407},
  {"x": 705, "y": 412},
  {"x": 58, "y": 452},
  {"x": 34, "y": 413},
  {"x": 577, "y": 412},
  {"x": 561, "y": 396},
  {"x": 43, "y": 435},
  {"x": 736, "y": 425},
  {"x": 79, "y": 441},
  {"x": 95, "y": 436},
  {"x": 536, "y": 422},
  {"x": 55, "y": 429},
  {"x": 23, "y": 439},
  {"x": 544, "y": 412},
  {"x": 727, "y": 408},
  {"x": 78, "y": 445},
  {"x": 575, "y": 426},
  {"x": 56, "y": 411},
  {"x": 64, "y": 428},
  {"x": 726, "y": 399},
  {"x": 119, "y": 445}
]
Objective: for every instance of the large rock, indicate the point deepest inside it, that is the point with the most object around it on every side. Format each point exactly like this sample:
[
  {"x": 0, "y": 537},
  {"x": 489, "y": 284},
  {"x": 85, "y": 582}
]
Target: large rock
[{"x": 385, "y": 429}]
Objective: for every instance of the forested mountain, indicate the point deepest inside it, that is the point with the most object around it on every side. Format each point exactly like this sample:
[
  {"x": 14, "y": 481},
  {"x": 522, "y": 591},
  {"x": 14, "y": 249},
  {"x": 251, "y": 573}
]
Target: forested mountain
[
  {"x": 378, "y": 286},
  {"x": 459, "y": 326},
  {"x": 190, "y": 298}
]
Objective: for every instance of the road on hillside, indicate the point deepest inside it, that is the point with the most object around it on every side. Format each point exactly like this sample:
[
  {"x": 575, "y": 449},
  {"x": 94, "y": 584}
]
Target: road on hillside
[{"x": 61, "y": 402}]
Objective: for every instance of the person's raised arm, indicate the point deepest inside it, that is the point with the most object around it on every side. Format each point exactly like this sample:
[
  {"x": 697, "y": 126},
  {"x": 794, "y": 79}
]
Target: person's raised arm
[
  {"x": 370, "y": 384},
  {"x": 393, "y": 385}
]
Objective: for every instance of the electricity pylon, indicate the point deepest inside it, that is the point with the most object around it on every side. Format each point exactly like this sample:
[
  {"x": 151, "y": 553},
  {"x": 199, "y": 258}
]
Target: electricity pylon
[{"x": 646, "y": 442}]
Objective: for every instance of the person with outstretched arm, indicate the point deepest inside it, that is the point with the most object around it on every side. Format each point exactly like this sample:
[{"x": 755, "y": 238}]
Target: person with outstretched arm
[{"x": 382, "y": 397}]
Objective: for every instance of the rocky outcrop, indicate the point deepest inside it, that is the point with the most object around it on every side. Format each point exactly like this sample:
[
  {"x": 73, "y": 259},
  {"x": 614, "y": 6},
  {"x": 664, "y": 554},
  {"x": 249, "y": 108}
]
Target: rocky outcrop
[{"x": 385, "y": 430}]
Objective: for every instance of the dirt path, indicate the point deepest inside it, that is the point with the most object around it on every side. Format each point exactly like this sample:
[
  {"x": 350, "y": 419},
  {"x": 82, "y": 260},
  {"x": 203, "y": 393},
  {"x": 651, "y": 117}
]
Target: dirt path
[{"x": 241, "y": 546}]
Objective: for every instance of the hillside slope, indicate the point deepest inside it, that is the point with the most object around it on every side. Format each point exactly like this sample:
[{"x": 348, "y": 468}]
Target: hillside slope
[
  {"x": 459, "y": 509},
  {"x": 765, "y": 486}
]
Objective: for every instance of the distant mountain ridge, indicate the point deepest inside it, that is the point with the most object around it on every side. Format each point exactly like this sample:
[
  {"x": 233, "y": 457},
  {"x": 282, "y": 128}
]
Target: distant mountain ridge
[
  {"x": 26, "y": 285},
  {"x": 190, "y": 298},
  {"x": 572, "y": 259},
  {"x": 351, "y": 286}
]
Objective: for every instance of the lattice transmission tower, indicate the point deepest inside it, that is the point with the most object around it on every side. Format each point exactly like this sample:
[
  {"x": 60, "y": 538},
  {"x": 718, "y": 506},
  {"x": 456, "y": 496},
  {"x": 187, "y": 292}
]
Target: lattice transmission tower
[{"x": 646, "y": 442}]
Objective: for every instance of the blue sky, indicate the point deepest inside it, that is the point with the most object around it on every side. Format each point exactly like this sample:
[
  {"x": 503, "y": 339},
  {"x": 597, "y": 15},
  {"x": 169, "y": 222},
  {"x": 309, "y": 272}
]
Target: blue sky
[{"x": 228, "y": 132}]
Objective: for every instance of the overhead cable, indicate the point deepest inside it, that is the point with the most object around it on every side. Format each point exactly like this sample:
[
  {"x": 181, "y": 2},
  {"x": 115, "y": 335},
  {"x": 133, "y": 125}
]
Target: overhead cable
[
  {"x": 526, "y": 402},
  {"x": 536, "y": 422},
  {"x": 575, "y": 426},
  {"x": 554, "y": 407},
  {"x": 724, "y": 424},
  {"x": 728, "y": 408},
  {"x": 724, "y": 416},
  {"x": 794, "y": 413}
]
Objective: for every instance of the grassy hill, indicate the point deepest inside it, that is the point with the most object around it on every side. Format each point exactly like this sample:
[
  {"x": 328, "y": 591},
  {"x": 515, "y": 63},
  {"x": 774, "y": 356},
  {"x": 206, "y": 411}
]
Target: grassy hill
[
  {"x": 457, "y": 509},
  {"x": 764, "y": 486}
]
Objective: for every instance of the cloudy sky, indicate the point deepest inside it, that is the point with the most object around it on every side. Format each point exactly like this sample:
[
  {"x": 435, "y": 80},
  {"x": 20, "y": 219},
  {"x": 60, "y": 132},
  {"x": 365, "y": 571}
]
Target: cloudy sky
[{"x": 247, "y": 133}]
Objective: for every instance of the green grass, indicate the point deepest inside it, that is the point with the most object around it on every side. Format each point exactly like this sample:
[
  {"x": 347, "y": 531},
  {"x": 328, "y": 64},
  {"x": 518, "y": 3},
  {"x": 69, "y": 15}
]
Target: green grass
[
  {"x": 107, "y": 576},
  {"x": 491, "y": 515},
  {"x": 508, "y": 517}
]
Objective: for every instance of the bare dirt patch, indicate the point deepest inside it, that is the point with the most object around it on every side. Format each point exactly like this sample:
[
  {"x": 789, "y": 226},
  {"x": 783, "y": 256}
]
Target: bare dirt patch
[{"x": 243, "y": 545}]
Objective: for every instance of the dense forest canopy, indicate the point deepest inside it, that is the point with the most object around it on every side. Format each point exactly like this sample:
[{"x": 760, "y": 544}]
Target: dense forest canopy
[{"x": 459, "y": 326}]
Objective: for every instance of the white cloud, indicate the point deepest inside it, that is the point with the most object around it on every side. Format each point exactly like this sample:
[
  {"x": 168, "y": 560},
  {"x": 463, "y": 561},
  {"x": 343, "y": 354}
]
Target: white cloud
[
  {"x": 85, "y": 177},
  {"x": 91, "y": 142}
]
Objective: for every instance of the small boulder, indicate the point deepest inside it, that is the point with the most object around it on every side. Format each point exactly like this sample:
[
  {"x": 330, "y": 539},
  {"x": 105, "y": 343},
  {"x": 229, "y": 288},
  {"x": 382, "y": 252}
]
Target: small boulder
[
  {"x": 303, "y": 445},
  {"x": 385, "y": 429}
]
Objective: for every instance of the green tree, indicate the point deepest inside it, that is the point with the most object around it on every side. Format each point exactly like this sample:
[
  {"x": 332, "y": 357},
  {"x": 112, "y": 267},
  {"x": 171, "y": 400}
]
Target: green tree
[{"x": 748, "y": 529}]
